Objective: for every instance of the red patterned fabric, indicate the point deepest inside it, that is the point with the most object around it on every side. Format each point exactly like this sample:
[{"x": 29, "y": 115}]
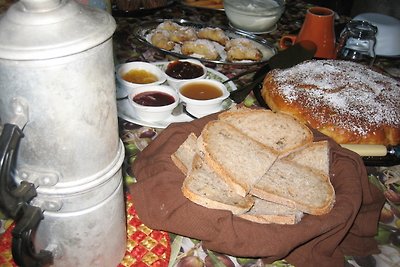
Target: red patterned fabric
[
  {"x": 6, "y": 259},
  {"x": 145, "y": 247}
]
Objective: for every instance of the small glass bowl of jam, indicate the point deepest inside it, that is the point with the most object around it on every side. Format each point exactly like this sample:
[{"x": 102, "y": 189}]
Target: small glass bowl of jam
[
  {"x": 153, "y": 103},
  {"x": 183, "y": 70},
  {"x": 203, "y": 96},
  {"x": 137, "y": 73}
]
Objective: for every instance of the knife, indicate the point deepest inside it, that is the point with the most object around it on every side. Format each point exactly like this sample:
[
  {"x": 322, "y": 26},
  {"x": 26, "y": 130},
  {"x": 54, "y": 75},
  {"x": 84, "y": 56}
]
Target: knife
[
  {"x": 373, "y": 150},
  {"x": 376, "y": 155},
  {"x": 287, "y": 58}
]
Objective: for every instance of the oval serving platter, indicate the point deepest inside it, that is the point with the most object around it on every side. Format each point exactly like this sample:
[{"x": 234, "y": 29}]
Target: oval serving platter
[{"x": 144, "y": 30}]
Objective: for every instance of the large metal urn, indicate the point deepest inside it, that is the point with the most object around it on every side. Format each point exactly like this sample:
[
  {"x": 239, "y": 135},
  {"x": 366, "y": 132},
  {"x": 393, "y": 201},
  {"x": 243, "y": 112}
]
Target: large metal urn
[{"x": 61, "y": 156}]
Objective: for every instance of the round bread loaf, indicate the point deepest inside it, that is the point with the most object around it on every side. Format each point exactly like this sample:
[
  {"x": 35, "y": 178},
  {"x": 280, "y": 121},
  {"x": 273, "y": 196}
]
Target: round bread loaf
[{"x": 344, "y": 100}]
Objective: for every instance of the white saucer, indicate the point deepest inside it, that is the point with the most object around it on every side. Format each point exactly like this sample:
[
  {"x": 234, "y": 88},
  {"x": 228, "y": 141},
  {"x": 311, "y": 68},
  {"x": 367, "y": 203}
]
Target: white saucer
[
  {"x": 226, "y": 104},
  {"x": 125, "y": 111},
  {"x": 388, "y": 35}
]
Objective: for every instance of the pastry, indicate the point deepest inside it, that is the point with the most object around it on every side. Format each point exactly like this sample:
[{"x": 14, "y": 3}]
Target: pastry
[
  {"x": 183, "y": 34},
  {"x": 241, "y": 41},
  {"x": 161, "y": 39},
  {"x": 242, "y": 49},
  {"x": 213, "y": 34},
  {"x": 168, "y": 26},
  {"x": 201, "y": 47},
  {"x": 239, "y": 53}
]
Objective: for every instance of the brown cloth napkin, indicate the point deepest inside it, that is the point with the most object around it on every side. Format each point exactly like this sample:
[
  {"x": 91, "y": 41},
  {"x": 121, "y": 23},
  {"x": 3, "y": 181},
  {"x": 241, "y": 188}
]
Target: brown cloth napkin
[{"x": 349, "y": 229}]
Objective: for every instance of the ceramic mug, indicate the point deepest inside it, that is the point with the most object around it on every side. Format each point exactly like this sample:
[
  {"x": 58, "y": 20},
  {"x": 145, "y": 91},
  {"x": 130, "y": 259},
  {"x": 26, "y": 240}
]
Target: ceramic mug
[{"x": 318, "y": 27}]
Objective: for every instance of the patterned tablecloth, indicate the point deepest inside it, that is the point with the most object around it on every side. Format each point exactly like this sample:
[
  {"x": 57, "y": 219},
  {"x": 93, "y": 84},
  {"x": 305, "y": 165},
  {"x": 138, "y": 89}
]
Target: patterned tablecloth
[{"x": 147, "y": 247}]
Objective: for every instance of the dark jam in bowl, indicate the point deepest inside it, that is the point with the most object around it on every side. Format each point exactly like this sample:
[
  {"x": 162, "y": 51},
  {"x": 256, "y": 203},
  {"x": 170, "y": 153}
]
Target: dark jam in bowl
[
  {"x": 153, "y": 99},
  {"x": 184, "y": 70}
]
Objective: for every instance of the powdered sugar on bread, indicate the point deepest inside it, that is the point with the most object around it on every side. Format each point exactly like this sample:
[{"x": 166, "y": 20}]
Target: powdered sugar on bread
[{"x": 345, "y": 100}]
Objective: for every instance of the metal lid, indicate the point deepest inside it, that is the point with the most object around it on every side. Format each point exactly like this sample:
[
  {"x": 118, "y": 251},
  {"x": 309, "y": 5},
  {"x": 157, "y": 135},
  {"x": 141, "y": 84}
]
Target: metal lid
[{"x": 44, "y": 29}]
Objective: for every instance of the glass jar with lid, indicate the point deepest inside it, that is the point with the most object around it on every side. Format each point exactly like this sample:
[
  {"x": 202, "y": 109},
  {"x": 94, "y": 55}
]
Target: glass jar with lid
[{"x": 357, "y": 42}]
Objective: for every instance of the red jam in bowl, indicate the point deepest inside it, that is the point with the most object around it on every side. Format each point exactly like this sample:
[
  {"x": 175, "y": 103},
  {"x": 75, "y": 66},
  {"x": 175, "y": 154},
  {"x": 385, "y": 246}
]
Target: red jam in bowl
[
  {"x": 184, "y": 70},
  {"x": 153, "y": 99}
]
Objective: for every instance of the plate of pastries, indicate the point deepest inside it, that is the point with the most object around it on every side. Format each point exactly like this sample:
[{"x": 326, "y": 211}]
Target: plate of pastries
[{"x": 204, "y": 42}]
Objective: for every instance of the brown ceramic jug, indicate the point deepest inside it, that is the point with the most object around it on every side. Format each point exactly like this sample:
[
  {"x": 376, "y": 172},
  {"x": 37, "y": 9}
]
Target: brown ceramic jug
[{"x": 318, "y": 27}]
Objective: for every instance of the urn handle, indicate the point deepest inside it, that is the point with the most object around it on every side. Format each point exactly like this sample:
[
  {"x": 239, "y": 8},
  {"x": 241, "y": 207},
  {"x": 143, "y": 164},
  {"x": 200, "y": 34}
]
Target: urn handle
[
  {"x": 22, "y": 248},
  {"x": 12, "y": 197},
  {"x": 14, "y": 201}
]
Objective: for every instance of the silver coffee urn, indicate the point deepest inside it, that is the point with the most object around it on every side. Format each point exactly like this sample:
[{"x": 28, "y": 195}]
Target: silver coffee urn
[{"x": 60, "y": 151}]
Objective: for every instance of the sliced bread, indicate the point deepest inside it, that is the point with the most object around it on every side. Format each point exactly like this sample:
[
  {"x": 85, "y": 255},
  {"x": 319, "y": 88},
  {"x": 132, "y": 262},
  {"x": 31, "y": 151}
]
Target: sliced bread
[
  {"x": 296, "y": 186},
  {"x": 203, "y": 186},
  {"x": 269, "y": 212},
  {"x": 314, "y": 155},
  {"x": 183, "y": 156},
  {"x": 276, "y": 130},
  {"x": 239, "y": 160},
  {"x": 228, "y": 169}
]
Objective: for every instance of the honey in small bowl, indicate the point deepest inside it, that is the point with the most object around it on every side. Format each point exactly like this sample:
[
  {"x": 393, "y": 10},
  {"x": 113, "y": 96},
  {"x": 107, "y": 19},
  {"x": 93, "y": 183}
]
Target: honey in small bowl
[
  {"x": 200, "y": 91},
  {"x": 136, "y": 74},
  {"x": 139, "y": 76},
  {"x": 203, "y": 96}
]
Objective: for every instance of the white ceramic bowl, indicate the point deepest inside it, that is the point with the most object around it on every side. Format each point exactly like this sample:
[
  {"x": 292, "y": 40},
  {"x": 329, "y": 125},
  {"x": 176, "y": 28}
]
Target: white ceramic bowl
[
  {"x": 141, "y": 68},
  {"x": 388, "y": 35},
  {"x": 175, "y": 82},
  {"x": 200, "y": 108},
  {"x": 256, "y": 16},
  {"x": 153, "y": 113}
]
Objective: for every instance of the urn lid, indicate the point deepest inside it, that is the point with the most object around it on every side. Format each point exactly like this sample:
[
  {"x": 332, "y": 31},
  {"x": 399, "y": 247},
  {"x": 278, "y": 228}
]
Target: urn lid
[{"x": 45, "y": 29}]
